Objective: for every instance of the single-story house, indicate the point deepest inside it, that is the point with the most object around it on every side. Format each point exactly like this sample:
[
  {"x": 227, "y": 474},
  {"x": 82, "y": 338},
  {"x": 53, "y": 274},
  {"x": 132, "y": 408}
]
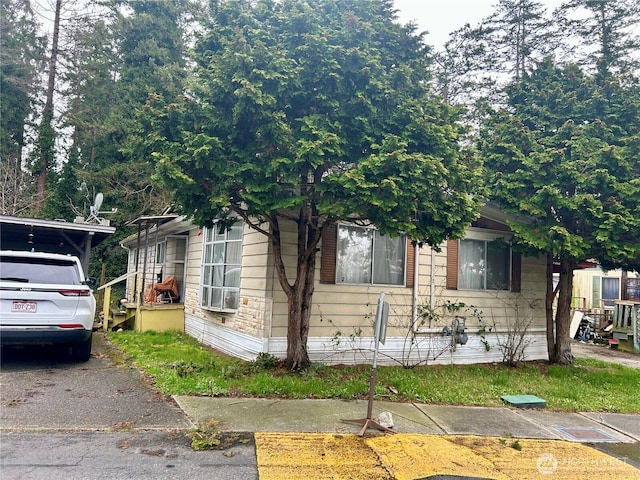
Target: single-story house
[{"x": 232, "y": 300}]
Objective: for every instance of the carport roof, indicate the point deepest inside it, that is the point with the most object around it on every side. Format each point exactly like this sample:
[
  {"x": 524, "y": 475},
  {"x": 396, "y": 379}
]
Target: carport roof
[{"x": 55, "y": 236}]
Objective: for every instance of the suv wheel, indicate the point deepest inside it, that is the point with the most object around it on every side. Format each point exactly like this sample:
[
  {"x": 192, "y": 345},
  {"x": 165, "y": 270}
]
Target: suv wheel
[{"x": 81, "y": 352}]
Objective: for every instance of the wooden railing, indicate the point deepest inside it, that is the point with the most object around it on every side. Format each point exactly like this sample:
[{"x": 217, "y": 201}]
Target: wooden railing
[{"x": 106, "y": 302}]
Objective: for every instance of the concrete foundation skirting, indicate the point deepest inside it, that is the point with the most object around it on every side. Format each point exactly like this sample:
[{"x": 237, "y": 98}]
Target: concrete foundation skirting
[{"x": 425, "y": 349}]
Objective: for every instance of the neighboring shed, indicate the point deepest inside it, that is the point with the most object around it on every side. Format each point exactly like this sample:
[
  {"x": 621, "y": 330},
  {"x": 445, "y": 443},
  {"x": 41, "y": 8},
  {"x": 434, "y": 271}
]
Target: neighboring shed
[
  {"x": 596, "y": 290},
  {"x": 232, "y": 300}
]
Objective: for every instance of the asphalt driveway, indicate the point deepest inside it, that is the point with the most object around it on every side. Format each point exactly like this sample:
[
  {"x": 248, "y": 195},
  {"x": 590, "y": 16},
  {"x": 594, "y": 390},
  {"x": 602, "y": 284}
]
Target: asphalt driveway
[{"x": 41, "y": 391}]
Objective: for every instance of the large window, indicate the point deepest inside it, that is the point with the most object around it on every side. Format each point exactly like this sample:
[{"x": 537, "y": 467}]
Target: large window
[
  {"x": 484, "y": 265},
  {"x": 222, "y": 252},
  {"x": 366, "y": 257},
  {"x": 610, "y": 291}
]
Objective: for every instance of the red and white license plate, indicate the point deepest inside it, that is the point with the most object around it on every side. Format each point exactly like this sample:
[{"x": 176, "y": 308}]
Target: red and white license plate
[{"x": 27, "y": 307}]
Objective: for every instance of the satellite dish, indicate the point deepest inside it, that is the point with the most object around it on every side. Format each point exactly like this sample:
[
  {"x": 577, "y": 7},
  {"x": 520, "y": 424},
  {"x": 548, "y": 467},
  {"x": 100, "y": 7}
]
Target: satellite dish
[
  {"x": 94, "y": 216},
  {"x": 98, "y": 202}
]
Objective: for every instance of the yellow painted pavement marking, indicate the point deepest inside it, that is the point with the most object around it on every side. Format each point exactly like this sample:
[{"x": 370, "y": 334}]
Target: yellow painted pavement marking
[
  {"x": 290, "y": 456},
  {"x": 417, "y": 456},
  {"x": 549, "y": 459},
  {"x": 311, "y": 456}
]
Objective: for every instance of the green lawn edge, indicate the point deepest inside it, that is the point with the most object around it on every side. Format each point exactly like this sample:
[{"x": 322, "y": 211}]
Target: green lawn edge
[{"x": 177, "y": 364}]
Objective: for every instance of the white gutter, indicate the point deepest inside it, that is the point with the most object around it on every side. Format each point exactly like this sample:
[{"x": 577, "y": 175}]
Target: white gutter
[{"x": 416, "y": 277}]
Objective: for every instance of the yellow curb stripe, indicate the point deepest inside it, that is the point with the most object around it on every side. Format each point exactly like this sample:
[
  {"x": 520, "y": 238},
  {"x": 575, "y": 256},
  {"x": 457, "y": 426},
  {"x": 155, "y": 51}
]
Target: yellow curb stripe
[
  {"x": 311, "y": 456},
  {"x": 548, "y": 459},
  {"x": 408, "y": 457}
]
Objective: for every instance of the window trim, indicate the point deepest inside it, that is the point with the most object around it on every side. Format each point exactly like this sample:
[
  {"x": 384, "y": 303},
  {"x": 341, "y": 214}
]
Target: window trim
[
  {"x": 453, "y": 261},
  {"x": 486, "y": 243},
  {"x": 161, "y": 252},
  {"x": 329, "y": 259},
  {"x": 203, "y": 264},
  {"x": 610, "y": 302}
]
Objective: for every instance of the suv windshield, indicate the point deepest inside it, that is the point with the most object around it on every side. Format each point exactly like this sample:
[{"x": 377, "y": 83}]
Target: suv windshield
[{"x": 41, "y": 270}]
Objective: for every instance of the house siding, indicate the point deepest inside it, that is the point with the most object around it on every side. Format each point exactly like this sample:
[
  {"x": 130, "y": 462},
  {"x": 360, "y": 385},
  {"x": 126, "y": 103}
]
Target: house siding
[
  {"x": 253, "y": 316},
  {"x": 341, "y": 327},
  {"x": 583, "y": 287}
]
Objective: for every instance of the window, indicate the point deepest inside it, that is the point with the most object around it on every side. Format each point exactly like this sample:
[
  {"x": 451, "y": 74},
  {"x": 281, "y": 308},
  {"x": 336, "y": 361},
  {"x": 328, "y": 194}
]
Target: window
[
  {"x": 610, "y": 291},
  {"x": 633, "y": 288},
  {"x": 483, "y": 265},
  {"x": 221, "y": 261},
  {"x": 35, "y": 269},
  {"x": 161, "y": 248},
  {"x": 364, "y": 256}
]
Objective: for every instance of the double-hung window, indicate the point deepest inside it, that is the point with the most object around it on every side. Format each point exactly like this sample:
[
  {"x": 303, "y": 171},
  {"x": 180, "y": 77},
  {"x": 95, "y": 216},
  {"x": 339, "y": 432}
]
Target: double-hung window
[
  {"x": 221, "y": 261},
  {"x": 484, "y": 265},
  {"x": 161, "y": 249},
  {"x": 364, "y": 256}
]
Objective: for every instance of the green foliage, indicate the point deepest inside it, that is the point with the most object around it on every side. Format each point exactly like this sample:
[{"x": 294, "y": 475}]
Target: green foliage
[
  {"x": 22, "y": 58},
  {"x": 325, "y": 106},
  {"x": 565, "y": 159},
  {"x": 265, "y": 361},
  {"x": 207, "y": 437},
  {"x": 607, "y": 30},
  {"x": 314, "y": 114}
]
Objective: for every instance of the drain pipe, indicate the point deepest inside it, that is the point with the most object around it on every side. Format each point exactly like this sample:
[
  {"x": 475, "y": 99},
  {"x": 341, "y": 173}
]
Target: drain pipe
[
  {"x": 432, "y": 280},
  {"x": 416, "y": 277}
]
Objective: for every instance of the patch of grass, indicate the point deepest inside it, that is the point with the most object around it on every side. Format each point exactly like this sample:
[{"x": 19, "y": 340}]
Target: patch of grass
[
  {"x": 207, "y": 437},
  {"x": 178, "y": 365}
]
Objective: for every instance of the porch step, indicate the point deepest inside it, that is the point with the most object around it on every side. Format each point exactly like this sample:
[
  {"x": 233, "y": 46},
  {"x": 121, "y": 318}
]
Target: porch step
[{"x": 118, "y": 317}]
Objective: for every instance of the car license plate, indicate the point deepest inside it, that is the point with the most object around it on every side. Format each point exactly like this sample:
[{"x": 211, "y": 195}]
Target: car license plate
[{"x": 28, "y": 307}]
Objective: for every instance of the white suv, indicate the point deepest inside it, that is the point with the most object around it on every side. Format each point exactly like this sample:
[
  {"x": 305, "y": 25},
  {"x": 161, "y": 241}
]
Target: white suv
[{"x": 45, "y": 299}]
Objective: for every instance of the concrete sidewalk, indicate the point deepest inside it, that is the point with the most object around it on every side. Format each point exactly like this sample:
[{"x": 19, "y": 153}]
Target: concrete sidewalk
[{"x": 325, "y": 416}]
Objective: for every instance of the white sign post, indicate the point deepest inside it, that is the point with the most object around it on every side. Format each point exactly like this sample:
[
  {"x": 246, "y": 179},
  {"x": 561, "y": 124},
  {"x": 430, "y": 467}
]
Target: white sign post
[{"x": 380, "y": 328}]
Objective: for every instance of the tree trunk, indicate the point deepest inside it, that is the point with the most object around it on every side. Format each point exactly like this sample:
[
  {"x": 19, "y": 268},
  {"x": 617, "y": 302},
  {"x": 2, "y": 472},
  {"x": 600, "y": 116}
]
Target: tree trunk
[
  {"x": 551, "y": 337},
  {"x": 300, "y": 293},
  {"x": 563, "y": 353},
  {"x": 298, "y": 331},
  {"x": 46, "y": 138}
]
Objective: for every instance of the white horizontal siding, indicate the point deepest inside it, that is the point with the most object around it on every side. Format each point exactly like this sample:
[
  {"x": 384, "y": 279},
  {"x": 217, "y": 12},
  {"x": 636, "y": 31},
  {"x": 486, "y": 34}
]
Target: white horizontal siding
[
  {"x": 345, "y": 312},
  {"x": 428, "y": 350}
]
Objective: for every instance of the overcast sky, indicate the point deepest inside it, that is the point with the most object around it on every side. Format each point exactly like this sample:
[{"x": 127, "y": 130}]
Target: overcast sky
[{"x": 441, "y": 17}]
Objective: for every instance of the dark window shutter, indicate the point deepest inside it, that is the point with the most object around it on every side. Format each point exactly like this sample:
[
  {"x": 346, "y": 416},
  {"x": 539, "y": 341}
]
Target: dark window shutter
[
  {"x": 328, "y": 254},
  {"x": 516, "y": 272},
  {"x": 452, "y": 264},
  {"x": 410, "y": 267}
]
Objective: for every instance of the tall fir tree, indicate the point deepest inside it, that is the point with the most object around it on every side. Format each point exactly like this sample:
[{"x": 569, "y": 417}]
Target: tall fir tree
[
  {"x": 606, "y": 34},
  {"x": 563, "y": 157},
  {"x": 22, "y": 57}
]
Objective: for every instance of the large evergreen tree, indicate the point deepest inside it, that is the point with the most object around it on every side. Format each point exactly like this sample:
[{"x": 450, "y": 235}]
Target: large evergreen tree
[
  {"x": 564, "y": 157},
  {"x": 147, "y": 37},
  {"x": 605, "y": 32},
  {"x": 21, "y": 60},
  {"x": 314, "y": 113},
  {"x": 476, "y": 60}
]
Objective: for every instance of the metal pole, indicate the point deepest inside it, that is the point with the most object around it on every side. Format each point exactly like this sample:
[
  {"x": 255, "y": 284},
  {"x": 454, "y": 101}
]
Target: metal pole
[{"x": 369, "y": 422}]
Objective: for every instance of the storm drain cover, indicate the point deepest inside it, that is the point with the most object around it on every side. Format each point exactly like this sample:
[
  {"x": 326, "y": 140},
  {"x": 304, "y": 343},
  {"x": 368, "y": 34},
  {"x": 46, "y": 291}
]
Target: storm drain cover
[{"x": 587, "y": 434}]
